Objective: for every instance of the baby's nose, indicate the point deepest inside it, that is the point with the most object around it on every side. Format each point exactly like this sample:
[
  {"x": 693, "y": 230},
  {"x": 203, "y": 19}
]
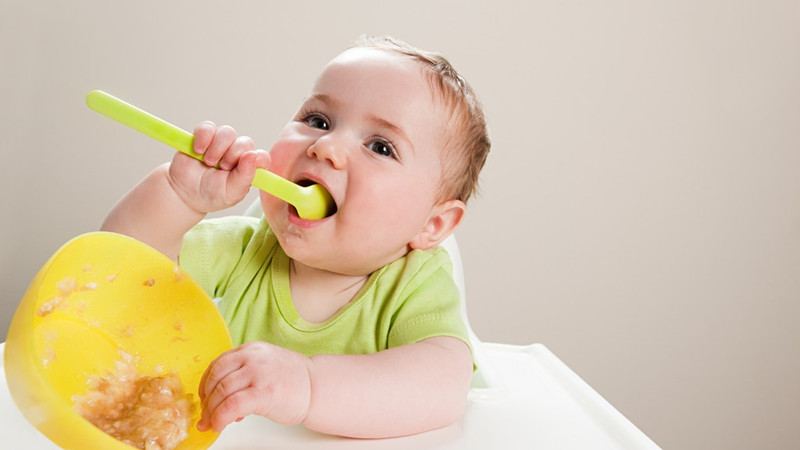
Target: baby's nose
[{"x": 331, "y": 149}]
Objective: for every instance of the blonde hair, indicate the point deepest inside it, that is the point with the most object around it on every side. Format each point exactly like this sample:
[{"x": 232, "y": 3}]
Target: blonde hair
[{"x": 467, "y": 141}]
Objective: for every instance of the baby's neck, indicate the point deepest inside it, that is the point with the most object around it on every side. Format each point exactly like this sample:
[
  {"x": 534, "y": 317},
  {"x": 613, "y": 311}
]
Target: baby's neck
[{"x": 319, "y": 294}]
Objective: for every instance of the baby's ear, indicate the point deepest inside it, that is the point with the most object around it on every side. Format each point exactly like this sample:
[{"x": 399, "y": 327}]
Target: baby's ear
[{"x": 443, "y": 220}]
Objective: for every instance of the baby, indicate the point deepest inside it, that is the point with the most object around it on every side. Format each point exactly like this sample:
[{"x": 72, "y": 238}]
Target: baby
[{"x": 350, "y": 324}]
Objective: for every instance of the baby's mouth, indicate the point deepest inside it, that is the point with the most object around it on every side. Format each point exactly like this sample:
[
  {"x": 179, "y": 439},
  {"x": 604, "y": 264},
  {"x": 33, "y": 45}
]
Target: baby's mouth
[
  {"x": 305, "y": 182},
  {"x": 332, "y": 207}
]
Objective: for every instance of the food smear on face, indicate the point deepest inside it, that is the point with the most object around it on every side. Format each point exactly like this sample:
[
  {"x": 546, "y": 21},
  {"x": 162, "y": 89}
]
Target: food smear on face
[{"x": 146, "y": 412}]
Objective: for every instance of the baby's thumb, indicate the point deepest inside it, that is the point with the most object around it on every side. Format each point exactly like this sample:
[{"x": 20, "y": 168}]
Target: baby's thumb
[
  {"x": 263, "y": 158},
  {"x": 242, "y": 176}
]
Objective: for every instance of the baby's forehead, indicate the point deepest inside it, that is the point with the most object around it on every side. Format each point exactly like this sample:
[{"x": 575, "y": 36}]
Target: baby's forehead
[
  {"x": 398, "y": 62},
  {"x": 379, "y": 59},
  {"x": 360, "y": 53}
]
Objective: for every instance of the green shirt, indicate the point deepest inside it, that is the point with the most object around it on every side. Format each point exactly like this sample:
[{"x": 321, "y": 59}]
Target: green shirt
[{"x": 238, "y": 261}]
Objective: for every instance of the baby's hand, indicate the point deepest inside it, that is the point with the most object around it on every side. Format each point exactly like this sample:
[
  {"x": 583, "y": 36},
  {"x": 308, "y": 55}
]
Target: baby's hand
[
  {"x": 255, "y": 378},
  {"x": 207, "y": 188}
]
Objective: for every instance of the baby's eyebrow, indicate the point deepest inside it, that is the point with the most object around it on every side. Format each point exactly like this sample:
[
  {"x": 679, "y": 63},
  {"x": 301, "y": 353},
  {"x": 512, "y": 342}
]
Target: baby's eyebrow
[
  {"x": 383, "y": 123},
  {"x": 324, "y": 98}
]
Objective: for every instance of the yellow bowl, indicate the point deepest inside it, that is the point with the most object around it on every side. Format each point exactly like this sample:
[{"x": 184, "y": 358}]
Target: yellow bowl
[{"x": 100, "y": 294}]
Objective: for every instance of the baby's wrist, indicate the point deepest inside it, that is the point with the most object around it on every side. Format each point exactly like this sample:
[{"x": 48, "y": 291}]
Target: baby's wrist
[
  {"x": 184, "y": 208},
  {"x": 305, "y": 403}
]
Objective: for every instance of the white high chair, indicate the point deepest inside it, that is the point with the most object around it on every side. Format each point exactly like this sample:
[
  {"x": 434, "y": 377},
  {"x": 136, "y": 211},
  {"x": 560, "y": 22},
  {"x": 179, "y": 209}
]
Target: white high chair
[{"x": 522, "y": 397}]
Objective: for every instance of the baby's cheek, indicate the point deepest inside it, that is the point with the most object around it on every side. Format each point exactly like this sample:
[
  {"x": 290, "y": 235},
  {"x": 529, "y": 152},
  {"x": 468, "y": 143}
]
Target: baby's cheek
[
  {"x": 290, "y": 146},
  {"x": 279, "y": 160},
  {"x": 269, "y": 203}
]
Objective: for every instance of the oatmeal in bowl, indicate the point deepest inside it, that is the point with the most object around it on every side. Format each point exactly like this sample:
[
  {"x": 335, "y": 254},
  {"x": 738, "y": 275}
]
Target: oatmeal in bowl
[{"x": 146, "y": 412}]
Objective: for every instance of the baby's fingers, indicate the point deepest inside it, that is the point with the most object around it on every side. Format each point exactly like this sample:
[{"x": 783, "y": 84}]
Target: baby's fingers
[
  {"x": 225, "y": 364},
  {"x": 229, "y": 385},
  {"x": 222, "y": 140},
  {"x": 203, "y": 134},
  {"x": 239, "y": 404},
  {"x": 242, "y": 176},
  {"x": 231, "y": 157}
]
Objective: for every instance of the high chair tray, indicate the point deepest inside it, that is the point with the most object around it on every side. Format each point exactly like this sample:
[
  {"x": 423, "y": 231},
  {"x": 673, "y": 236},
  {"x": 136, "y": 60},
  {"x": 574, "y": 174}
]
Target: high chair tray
[{"x": 529, "y": 400}]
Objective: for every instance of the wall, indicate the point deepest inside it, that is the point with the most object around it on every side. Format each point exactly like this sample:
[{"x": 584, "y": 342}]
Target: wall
[{"x": 639, "y": 215}]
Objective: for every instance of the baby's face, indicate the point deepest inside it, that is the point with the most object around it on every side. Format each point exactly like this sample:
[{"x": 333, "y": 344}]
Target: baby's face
[{"x": 370, "y": 132}]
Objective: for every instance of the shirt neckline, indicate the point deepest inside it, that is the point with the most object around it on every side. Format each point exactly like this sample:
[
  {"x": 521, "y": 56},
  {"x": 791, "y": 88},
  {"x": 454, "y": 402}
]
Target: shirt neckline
[{"x": 283, "y": 293}]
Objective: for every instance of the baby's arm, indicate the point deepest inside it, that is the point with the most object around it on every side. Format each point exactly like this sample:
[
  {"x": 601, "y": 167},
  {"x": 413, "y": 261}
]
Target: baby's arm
[
  {"x": 403, "y": 390},
  {"x": 395, "y": 392},
  {"x": 176, "y": 196}
]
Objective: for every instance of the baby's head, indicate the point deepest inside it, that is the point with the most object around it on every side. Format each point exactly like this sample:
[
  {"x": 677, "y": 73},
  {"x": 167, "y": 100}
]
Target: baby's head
[
  {"x": 466, "y": 143},
  {"x": 398, "y": 139}
]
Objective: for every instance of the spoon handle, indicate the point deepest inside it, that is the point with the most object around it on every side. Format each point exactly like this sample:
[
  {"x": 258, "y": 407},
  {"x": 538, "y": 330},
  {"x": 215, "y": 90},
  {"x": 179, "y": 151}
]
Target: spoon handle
[
  {"x": 177, "y": 138},
  {"x": 142, "y": 121}
]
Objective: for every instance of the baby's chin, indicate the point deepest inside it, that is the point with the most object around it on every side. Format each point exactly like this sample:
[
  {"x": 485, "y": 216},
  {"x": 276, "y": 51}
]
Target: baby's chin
[{"x": 302, "y": 253}]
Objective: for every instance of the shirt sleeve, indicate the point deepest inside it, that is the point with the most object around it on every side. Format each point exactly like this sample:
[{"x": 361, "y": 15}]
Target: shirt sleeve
[
  {"x": 212, "y": 249},
  {"x": 431, "y": 305}
]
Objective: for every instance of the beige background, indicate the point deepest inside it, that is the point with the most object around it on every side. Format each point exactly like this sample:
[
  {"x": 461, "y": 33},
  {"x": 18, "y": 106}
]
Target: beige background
[{"x": 640, "y": 212}]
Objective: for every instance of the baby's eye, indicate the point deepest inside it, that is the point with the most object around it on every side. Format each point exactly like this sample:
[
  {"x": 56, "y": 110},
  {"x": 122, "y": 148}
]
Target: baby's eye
[
  {"x": 383, "y": 148},
  {"x": 317, "y": 121}
]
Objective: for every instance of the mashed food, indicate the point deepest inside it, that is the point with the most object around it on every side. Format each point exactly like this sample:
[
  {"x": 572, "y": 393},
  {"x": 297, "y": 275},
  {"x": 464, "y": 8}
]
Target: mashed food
[{"x": 147, "y": 412}]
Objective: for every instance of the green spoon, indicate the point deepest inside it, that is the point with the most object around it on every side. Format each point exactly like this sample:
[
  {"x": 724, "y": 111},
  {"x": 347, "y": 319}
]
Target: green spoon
[{"x": 312, "y": 202}]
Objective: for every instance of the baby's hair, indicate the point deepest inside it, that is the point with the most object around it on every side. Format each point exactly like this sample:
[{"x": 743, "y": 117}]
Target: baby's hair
[{"x": 467, "y": 140}]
